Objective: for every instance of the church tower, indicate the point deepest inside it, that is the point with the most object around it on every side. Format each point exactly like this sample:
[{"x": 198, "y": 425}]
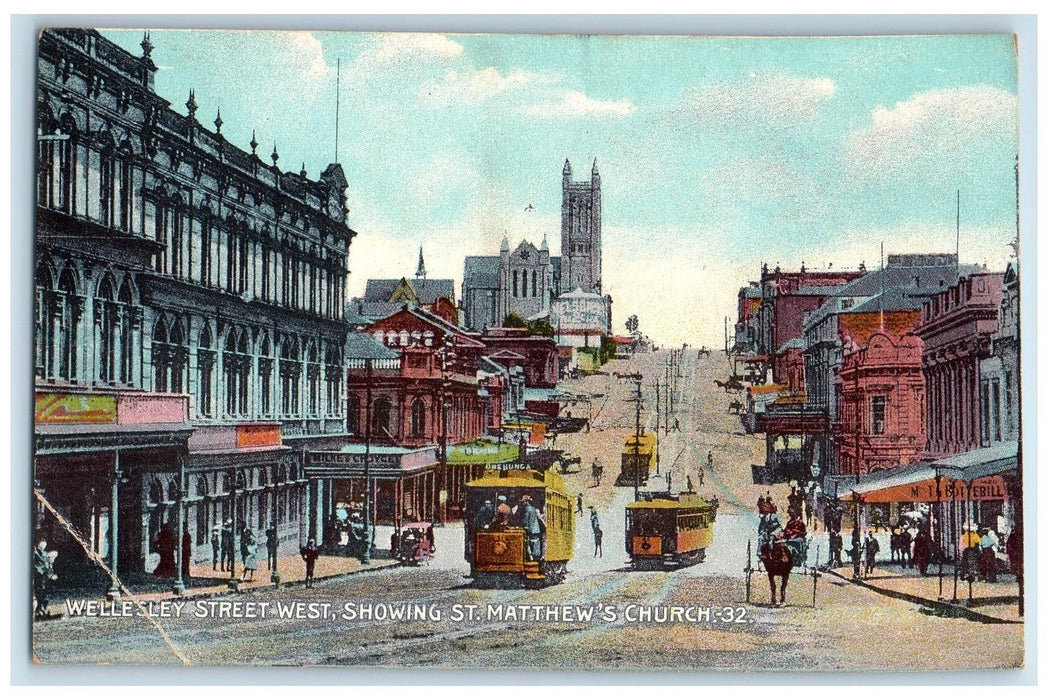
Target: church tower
[{"x": 580, "y": 232}]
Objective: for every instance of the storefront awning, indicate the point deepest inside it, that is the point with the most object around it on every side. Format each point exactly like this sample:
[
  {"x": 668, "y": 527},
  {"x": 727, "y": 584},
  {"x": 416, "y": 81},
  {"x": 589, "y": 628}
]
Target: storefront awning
[{"x": 975, "y": 475}]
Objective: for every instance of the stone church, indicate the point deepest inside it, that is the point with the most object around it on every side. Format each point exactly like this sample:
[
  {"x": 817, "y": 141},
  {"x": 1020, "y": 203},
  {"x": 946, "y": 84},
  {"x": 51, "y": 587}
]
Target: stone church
[{"x": 527, "y": 280}]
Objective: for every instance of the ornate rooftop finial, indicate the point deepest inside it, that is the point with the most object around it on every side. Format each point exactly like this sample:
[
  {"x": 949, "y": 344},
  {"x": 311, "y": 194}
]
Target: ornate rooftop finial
[
  {"x": 302, "y": 172},
  {"x": 191, "y": 104},
  {"x": 254, "y": 143},
  {"x": 218, "y": 122},
  {"x": 147, "y": 46},
  {"x": 595, "y": 171},
  {"x": 274, "y": 155}
]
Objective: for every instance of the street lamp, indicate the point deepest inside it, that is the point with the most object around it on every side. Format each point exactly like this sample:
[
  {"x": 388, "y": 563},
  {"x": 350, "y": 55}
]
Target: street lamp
[
  {"x": 232, "y": 582},
  {"x": 180, "y": 586}
]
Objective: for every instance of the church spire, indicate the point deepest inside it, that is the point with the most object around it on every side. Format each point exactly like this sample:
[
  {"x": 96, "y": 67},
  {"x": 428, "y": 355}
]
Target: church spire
[
  {"x": 545, "y": 245},
  {"x": 421, "y": 271}
]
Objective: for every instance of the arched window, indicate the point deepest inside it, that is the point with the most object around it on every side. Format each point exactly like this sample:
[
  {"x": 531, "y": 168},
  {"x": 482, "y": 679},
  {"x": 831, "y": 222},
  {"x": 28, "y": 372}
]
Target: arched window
[
  {"x": 107, "y": 328},
  {"x": 47, "y": 331},
  {"x": 516, "y": 279},
  {"x": 161, "y": 357},
  {"x": 405, "y": 339},
  {"x": 333, "y": 378},
  {"x": 313, "y": 380},
  {"x": 128, "y": 318},
  {"x": 236, "y": 364},
  {"x": 382, "y": 418},
  {"x": 524, "y": 283},
  {"x": 534, "y": 283},
  {"x": 290, "y": 371},
  {"x": 205, "y": 372},
  {"x": 265, "y": 377},
  {"x": 418, "y": 418}
]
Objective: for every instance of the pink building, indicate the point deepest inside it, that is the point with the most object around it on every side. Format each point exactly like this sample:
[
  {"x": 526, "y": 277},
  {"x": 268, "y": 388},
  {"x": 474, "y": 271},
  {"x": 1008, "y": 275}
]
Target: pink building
[
  {"x": 956, "y": 326},
  {"x": 880, "y": 395}
]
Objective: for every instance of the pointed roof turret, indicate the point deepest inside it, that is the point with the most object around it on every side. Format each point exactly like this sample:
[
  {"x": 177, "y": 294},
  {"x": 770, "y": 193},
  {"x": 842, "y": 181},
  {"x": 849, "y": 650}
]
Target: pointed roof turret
[
  {"x": 545, "y": 245},
  {"x": 505, "y": 244},
  {"x": 567, "y": 167},
  {"x": 421, "y": 271},
  {"x": 595, "y": 171}
]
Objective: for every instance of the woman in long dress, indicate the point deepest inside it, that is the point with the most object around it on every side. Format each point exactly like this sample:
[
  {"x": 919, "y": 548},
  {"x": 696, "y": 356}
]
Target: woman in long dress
[{"x": 250, "y": 555}]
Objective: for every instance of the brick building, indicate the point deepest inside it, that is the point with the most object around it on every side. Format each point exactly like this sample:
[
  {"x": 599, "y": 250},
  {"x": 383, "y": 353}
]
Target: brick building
[
  {"x": 957, "y": 326},
  {"x": 880, "y": 397}
]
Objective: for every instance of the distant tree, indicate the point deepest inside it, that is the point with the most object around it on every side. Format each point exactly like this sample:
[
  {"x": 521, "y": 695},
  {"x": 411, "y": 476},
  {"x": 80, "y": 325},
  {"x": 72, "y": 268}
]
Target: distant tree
[
  {"x": 514, "y": 320},
  {"x": 541, "y": 327},
  {"x": 608, "y": 348},
  {"x": 632, "y": 324}
]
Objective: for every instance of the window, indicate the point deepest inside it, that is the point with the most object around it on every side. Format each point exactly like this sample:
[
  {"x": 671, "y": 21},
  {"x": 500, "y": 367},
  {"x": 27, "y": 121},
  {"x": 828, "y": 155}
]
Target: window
[
  {"x": 516, "y": 279},
  {"x": 333, "y": 379},
  {"x": 534, "y": 283},
  {"x": 236, "y": 365},
  {"x": 205, "y": 368},
  {"x": 290, "y": 371},
  {"x": 265, "y": 378},
  {"x": 877, "y": 404},
  {"x": 418, "y": 418},
  {"x": 313, "y": 381},
  {"x": 524, "y": 285},
  {"x": 382, "y": 418}
]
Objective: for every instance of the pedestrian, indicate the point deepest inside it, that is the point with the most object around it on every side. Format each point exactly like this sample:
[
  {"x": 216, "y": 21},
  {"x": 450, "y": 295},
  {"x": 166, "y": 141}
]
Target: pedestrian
[
  {"x": 688, "y": 482},
  {"x": 216, "y": 548},
  {"x": 598, "y": 543},
  {"x": 43, "y": 575},
  {"x": 922, "y": 551},
  {"x": 164, "y": 545},
  {"x": 578, "y": 504},
  {"x": 836, "y": 545},
  {"x": 227, "y": 545},
  {"x": 272, "y": 545},
  {"x": 187, "y": 552},
  {"x": 856, "y": 552},
  {"x": 309, "y": 555},
  {"x": 594, "y": 519},
  {"x": 709, "y": 460},
  {"x": 702, "y": 476},
  {"x": 872, "y": 547},
  {"x": 249, "y": 550}
]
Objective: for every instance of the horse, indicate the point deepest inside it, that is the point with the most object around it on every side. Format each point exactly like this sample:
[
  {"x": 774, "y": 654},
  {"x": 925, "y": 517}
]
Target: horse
[{"x": 778, "y": 561}]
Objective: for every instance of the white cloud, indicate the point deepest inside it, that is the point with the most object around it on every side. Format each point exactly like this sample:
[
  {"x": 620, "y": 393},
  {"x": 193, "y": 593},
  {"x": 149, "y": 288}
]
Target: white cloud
[
  {"x": 472, "y": 86},
  {"x": 573, "y": 103},
  {"x": 936, "y": 134},
  {"x": 769, "y": 100},
  {"x": 307, "y": 55},
  {"x": 390, "y": 46}
]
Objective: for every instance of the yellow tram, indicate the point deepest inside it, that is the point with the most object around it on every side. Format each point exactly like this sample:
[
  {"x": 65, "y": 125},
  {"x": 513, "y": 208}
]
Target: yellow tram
[
  {"x": 668, "y": 531},
  {"x": 638, "y": 459},
  {"x": 497, "y": 545}
]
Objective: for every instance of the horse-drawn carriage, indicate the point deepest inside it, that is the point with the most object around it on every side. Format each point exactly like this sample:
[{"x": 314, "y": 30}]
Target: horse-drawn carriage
[
  {"x": 415, "y": 546},
  {"x": 777, "y": 554}
]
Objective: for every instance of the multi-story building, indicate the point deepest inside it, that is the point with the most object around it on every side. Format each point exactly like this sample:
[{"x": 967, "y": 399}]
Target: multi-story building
[
  {"x": 957, "y": 326},
  {"x": 189, "y": 315},
  {"x": 999, "y": 373},
  {"x": 889, "y": 299},
  {"x": 880, "y": 404}
]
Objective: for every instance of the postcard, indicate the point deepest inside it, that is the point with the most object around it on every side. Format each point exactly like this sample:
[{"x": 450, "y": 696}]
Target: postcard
[{"x": 519, "y": 351}]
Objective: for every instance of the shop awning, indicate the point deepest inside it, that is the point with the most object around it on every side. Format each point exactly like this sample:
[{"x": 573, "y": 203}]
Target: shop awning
[{"x": 975, "y": 475}]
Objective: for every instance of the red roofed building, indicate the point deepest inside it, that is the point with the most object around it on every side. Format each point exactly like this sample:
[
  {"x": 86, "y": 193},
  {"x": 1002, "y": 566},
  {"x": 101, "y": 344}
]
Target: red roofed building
[{"x": 535, "y": 354}]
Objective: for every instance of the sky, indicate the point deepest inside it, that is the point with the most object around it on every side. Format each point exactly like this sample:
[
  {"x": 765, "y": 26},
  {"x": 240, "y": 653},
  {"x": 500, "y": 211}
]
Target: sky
[{"x": 715, "y": 154}]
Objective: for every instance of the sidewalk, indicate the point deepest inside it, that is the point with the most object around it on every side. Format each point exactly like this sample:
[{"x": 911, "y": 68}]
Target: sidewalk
[
  {"x": 206, "y": 583},
  {"x": 991, "y": 602}
]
